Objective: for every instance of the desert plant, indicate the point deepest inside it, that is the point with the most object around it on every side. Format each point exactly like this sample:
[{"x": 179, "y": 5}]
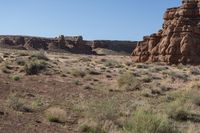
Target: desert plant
[
  {"x": 16, "y": 78},
  {"x": 177, "y": 109},
  {"x": 128, "y": 82},
  {"x": 89, "y": 129},
  {"x": 85, "y": 59},
  {"x": 102, "y": 110},
  {"x": 18, "y": 104},
  {"x": 56, "y": 114},
  {"x": 112, "y": 63},
  {"x": 195, "y": 71},
  {"x": 144, "y": 66},
  {"x": 20, "y": 61},
  {"x": 78, "y": 73},
  {"x": 41, "y": 55},
  {"x": 144, "y": 121},
  {"x": 147, "y": 79},
  {"x": 194, "y": 95},
  {"x": 23, "y": 54},
  {"x": 34, "y": 67}
]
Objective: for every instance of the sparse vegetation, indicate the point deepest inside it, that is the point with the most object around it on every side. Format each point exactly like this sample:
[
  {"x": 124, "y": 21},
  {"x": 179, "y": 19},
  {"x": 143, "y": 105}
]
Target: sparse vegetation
[
  {"x": 78, "y": 73},
  {"x": 128, "y": 82},
  {"x": 56, "y": 114},
  {"x": 16, "y": 78},
  {"x": 144, "y": 121},
  {"x": 89, "y": 129},
  {"x": 18, "y": 104},
  {"x": 111, "y": 63},
  {"x": 34, "y": 67},
  {"x": 21, "y": 61},
  {"x": 41, "y": 55},
  {"x": 82, "y": 94}
]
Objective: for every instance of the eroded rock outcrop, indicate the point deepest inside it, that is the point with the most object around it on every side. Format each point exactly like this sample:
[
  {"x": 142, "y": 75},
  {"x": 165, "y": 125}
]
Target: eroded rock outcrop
[
  {"x": 73, "y": 44},
  {"x": 117, "y": 46},
  {"x": 179, "y": 39}
]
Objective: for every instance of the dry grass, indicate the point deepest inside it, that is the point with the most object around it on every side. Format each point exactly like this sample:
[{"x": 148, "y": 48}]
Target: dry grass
[{"x": 56, "y": 114}]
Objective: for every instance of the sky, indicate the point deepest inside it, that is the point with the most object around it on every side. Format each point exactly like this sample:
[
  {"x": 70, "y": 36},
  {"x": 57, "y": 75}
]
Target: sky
[{"x": 93, "y": 19}]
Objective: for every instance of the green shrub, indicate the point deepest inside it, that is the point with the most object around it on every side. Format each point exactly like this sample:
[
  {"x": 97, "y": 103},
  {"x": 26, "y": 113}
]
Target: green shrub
[
  {"x": 147, "y": 122},
  {"x": 78, "y": 73},
  {"x": 147, "y": 79},
  {"x": 20, "y": 61},
  {"x": 41, "y": 55},
  {"x": 143, "y": 66},
  {"x": 112, "y": 63},
  {"x": 18, "y": 104},
  {"x": 89, "y": 129},
  {"x": 194, "y": 95},
  {"x": 128, "y": 82},
  {"x": 23, "y": 54},
  {"x": 85, "y": 59},
  {"x": 34, "y": 67},
  {"x": 16, "y": 78},
  {"x": 102, "y": 110}
]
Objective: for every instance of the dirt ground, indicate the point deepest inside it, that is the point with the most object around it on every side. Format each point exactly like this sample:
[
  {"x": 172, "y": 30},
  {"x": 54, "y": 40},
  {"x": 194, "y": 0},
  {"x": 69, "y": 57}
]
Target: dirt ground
[{"x": 86, "y": 91}]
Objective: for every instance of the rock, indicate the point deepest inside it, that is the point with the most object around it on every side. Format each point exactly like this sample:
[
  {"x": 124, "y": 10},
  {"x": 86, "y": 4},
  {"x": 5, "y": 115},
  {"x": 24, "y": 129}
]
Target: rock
[
  {"x": 118, "y": 46},
  {"x": 36, "y": 44},
  {"x": 73, "y": 44},
  {"x": 179, "y": 39}
]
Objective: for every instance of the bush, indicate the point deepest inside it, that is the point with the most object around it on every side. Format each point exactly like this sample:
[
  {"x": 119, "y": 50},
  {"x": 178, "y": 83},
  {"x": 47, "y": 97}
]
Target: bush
[
  {"x": 89, "y": 129},
  {"x": 23, "y": 54},
  {"x": 128, "y": 82},
  {"x": 20, "y": 61},
  {"x": 194, "y": 95},
  {"x": 147, "y": 122},
  {"x": 34, "y": 67},
  {"x": 103, "y": 110},
  {"x": 16, "y": 78},
  {"x": 18, "y": 104},
  {"x": 177, "y": 110},
  {"x": 143, "y": 66},
  {"x": 147, "y": 79},
  {"x": 195, "y": 71},
  {"x": 112, "y": 63},
  {"x": 41, "y": 55},
  {"x": 85, "y": 59},
  {"x": 55, "y": 114},
  {"x": 78, "y": 73}
]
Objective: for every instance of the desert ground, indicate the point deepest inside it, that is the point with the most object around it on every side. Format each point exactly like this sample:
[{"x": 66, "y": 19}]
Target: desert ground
[{"x": 46, "y": 92}]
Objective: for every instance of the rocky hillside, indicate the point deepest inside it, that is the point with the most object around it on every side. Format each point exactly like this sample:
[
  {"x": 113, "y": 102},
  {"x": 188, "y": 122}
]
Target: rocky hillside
[
  {"x": 179, "y": 39},
  {"x": 74, "y": 44}
]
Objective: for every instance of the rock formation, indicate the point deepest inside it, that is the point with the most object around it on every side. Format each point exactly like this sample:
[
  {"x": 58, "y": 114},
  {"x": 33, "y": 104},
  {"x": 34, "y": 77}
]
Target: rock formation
[
  {"x": 74, "y": 44},
  {"x": 118, "y": 46},
  {"x": 179, "y": 39}
]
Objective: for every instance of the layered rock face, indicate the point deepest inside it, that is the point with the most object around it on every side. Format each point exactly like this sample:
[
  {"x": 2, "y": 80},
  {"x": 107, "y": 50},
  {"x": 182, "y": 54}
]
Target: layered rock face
[
  {"x": 179, "y": 39},
  {"x": 73, "y": 44},
  {"x": 118, "y": 46}
]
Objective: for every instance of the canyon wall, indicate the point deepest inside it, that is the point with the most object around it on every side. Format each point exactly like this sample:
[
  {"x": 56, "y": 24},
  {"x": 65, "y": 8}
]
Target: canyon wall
[{"x": 73, "y": 44}]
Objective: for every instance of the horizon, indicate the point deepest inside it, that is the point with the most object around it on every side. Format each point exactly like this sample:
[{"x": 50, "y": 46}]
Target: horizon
[{"x": 50, "y": 19}]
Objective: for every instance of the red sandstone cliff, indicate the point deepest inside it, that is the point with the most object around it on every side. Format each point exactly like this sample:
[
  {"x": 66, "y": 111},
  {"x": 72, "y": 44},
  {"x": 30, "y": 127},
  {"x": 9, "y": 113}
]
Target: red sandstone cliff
[{"x": 179, "y": 39}]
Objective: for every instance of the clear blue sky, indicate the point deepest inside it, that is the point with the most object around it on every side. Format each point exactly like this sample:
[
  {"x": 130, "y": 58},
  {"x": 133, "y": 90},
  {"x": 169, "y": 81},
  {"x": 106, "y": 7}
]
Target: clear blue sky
[{"x": 94, "y": 19}]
